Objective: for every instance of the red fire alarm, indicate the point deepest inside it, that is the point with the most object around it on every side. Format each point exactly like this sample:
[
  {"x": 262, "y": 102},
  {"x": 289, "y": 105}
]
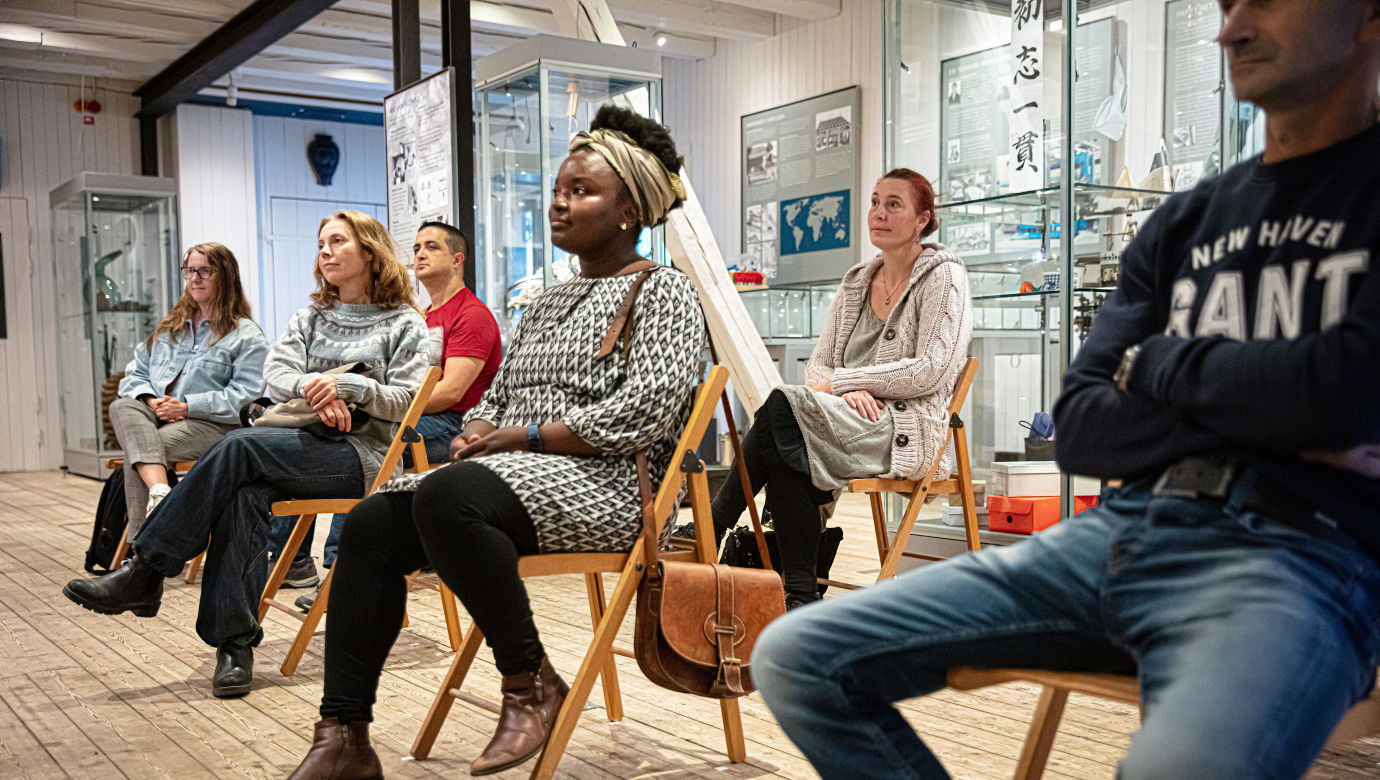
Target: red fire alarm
[
  {"x": 88, "y": 120},
  {"x": 87, "y": 107}
]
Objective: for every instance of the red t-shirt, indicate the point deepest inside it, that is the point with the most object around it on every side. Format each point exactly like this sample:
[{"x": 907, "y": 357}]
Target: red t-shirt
[{"x": 464, "y": 327}]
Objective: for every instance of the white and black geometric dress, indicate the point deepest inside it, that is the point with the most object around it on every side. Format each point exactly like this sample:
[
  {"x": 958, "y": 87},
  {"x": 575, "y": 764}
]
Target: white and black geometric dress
[{"x": 551, "y": 373}]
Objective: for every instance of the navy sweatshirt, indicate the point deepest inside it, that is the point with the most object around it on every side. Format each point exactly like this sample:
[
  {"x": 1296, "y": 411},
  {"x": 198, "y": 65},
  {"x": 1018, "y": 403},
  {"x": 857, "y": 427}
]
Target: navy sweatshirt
[{"x": 1257, "y": 309}]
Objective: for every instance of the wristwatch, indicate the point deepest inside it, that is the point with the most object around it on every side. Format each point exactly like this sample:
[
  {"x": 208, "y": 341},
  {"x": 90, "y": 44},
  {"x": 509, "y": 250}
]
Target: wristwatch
[
  {"x": 1122, "y": 377},
  {"x": 534, "y": 442}
]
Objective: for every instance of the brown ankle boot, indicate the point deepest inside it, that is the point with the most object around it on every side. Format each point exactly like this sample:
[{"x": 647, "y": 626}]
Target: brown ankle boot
[
  {"x": 531, "y": 701},
  {"x": 340, "y": 752}
]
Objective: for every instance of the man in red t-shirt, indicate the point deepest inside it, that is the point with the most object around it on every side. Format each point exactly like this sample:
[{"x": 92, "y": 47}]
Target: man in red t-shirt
[{"x": 464, "y": 336}]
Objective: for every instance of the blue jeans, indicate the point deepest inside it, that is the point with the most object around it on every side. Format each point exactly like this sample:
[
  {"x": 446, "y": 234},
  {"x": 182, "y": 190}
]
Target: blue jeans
[
  {"x": 1250, "y": 638},
  {"x": 226, "y": 498},
  {"x": 281, "y": 528},
  {"x": 437, "y": 431}
]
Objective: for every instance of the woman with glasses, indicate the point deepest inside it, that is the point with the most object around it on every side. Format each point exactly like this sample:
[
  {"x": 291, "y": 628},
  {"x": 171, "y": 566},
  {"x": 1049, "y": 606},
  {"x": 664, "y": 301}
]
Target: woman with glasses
[{"x": 184, "y": 388}]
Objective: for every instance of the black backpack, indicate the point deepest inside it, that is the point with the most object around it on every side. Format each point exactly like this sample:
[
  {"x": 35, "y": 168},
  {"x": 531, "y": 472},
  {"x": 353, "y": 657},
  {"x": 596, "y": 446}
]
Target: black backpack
[{"x": 111, "y": 518}]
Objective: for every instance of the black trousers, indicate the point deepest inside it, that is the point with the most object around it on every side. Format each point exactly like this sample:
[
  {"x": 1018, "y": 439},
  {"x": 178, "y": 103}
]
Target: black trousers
[
  {"x": 775, "y": 456},
  {"x": 467, "y": 523}
]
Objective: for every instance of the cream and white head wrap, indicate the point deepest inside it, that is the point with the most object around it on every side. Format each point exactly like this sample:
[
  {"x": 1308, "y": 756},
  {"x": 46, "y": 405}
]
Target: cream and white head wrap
[{"x": 654, "y": 189}]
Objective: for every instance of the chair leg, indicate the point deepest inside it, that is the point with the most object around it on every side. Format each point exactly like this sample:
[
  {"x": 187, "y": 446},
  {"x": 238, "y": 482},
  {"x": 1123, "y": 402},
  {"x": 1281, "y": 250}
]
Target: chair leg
[
  {"x": 879, "y": 524},
  {"x": 733, "y": 730},
  {"x": 457, "y": 636},
  {"x": 309, "y": 624},
  {"x": 898, "y": 542},
  {"x": 1040, "y": 738},
  {"x": 194, "y": 568},
  {"x": 598, "y": 652},
  {"x": 964, "y": 473},
  {"x": 121, "y": 550},
  {"x": 440, "y": 706},
  {"x": 704, "y": 521},
  {"x": 613, "y": 699},
  {"x": 280, "y": 569}
]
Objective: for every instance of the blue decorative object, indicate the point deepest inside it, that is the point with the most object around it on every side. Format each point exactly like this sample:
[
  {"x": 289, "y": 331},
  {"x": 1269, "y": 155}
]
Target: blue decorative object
[{"x": 324, "y": 156}]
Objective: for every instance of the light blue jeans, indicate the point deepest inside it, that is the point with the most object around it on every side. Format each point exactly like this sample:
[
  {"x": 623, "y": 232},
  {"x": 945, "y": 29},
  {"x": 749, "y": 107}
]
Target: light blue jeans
[{"x": 1251, "y": 639}]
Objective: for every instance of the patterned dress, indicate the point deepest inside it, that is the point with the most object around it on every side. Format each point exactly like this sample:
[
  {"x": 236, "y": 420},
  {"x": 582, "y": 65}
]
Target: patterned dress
[{"x": 551, "y": 373}]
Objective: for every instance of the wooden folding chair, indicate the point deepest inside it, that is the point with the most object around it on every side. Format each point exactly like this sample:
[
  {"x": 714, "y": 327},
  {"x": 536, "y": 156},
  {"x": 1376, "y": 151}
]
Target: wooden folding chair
[
  {"x": 891, "y": 548},
  {"x": 607, "y": 617},
  {"x": 179, "y": 468},
  {"x": 308, "y": 509},
  {"x": 1362, "y": 720}
]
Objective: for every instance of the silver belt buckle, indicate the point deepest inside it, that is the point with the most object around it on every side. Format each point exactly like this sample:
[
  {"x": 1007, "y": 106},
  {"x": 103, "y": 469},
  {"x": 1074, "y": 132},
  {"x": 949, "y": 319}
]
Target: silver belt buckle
[{"x": 1195, "y": 477}]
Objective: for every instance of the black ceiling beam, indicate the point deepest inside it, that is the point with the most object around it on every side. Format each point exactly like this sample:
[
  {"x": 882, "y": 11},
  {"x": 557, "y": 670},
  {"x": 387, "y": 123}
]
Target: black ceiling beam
[
  {"x": 456, "y": 52},
  {"x": 407, "y": 43},
  {"x": 251, "y": 31}
]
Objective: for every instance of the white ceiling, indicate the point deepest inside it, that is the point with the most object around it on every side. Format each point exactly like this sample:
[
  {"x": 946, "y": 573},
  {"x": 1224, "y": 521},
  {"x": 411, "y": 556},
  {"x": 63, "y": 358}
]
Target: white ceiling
[{"x": 343, "y": 57}]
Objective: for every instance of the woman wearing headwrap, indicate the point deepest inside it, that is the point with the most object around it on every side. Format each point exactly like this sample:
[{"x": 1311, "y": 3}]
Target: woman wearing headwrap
[{"x": 544, "y": 464}]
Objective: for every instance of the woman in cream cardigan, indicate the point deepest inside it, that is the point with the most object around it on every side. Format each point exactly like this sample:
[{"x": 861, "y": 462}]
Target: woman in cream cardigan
[{"x": 877, "y": 385}]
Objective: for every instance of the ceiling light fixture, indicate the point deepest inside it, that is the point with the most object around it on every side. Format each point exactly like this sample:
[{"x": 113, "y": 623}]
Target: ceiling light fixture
[{"x": 659, "y": 37}]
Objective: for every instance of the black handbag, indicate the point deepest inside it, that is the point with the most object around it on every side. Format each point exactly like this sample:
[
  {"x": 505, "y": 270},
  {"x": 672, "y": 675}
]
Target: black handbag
[{"x": 740, "y": 549}]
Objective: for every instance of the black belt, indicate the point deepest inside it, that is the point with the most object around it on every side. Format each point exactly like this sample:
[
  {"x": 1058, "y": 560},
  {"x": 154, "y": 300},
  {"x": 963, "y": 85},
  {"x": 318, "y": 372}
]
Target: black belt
[{"x": 1233, "y": 482}]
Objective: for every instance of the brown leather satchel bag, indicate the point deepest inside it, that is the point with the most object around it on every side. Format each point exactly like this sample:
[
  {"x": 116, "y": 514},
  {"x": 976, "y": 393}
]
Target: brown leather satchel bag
[{"x": 698, "y": 622}]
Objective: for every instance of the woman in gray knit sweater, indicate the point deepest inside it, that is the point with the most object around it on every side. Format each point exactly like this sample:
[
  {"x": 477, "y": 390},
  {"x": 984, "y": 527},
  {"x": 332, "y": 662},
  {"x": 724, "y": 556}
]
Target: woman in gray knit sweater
[
  {"x": 877, "y": 385},
  {"x": 362, "y": 311}
]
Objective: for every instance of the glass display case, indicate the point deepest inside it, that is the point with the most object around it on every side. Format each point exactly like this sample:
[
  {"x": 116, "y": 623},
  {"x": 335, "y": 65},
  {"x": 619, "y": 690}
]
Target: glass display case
[
  {"x": 789, "y": 311},
  {"x": 532, "y": 98},
  {"x": 976, "y": 98},
  {"x": 115, "y": 261}
]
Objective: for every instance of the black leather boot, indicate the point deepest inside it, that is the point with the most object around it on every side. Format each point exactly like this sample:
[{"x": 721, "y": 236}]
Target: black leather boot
[
  {"x": 340, "y": 751},
  {"x": 234, "y": 671},
  {"x": 134, "y": 587}
]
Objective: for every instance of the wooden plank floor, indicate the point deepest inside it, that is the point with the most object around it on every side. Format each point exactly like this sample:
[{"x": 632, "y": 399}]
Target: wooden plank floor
[{"x": 82, "y": 694}]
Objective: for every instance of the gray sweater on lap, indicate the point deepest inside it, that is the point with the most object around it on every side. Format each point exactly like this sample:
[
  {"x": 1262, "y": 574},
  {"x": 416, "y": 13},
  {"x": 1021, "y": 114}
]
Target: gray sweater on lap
[{"x": 392, "y": 342}]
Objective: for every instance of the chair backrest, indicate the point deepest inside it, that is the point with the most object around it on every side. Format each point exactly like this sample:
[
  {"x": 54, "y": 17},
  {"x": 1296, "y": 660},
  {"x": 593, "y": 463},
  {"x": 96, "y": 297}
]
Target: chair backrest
[
  {"x": 963, "y": 385},
  {"x": 700, "y": 413},
  {"x": 409, "y": 422},
  {"x": 961, "y": 388}
]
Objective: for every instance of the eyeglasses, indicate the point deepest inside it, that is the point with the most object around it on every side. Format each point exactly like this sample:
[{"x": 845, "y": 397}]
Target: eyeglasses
[{"x": 205, "y": 272}]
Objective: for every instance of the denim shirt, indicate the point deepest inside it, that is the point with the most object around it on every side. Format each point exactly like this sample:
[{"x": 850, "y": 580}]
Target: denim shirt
[{"x": 214, "y": 377}]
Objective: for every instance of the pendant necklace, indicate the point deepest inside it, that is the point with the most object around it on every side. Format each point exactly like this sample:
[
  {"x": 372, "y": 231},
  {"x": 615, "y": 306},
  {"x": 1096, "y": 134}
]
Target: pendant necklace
[{"x": 894, "y": 289}]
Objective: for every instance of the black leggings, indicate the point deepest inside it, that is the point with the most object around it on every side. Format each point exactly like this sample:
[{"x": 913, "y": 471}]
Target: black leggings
[
  {"x": 775, "y": 456},
  {"x": 470, "y": 525}
]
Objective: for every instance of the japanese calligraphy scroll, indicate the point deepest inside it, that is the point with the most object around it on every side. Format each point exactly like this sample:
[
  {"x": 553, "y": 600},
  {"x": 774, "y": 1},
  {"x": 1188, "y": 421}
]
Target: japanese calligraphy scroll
[{"x": 1026, "y": 120}]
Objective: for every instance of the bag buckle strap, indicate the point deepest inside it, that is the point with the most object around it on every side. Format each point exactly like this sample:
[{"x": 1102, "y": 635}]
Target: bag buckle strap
[{"x": 729, "y": 676}]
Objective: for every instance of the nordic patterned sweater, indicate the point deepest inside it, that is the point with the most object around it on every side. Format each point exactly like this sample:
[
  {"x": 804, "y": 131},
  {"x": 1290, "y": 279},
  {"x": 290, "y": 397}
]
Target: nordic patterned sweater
[
  {"x": 923, "y": 347},
  {"x": 392, "y": 342}
]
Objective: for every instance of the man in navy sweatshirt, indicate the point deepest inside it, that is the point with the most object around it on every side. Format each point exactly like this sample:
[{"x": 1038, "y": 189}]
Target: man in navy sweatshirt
[{"x": 1233, "y": 382}]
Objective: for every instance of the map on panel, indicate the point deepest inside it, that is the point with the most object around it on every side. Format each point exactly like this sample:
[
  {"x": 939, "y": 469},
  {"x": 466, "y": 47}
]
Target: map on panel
[{"x": 815, "y": 222}]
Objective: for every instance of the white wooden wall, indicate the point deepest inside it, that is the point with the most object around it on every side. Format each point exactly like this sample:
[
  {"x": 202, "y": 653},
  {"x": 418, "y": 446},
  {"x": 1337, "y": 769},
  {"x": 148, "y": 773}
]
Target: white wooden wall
[
  {"x": 291, "y": 204},
  {"x": 45, "y": 144},
  {"x": 705, "y": 99},
  {"x": 212, "y": 153}
]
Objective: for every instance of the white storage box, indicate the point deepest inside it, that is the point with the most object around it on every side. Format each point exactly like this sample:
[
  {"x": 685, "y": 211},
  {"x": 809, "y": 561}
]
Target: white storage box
[
  {"x": 1024, "y": 478},
  {"x": 953, "y": 515}
]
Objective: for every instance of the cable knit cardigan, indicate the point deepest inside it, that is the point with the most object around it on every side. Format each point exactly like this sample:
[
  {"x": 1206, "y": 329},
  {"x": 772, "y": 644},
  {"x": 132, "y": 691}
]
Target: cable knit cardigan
[{"x": 922, "y": 349}]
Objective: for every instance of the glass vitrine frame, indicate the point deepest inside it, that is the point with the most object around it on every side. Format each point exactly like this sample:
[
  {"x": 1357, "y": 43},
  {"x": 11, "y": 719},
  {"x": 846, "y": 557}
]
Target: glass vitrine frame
[
  {"x": 560, "y": 83},
  {"x": 1025, "y": 270},
  {"x": 116, "y": 255}
]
